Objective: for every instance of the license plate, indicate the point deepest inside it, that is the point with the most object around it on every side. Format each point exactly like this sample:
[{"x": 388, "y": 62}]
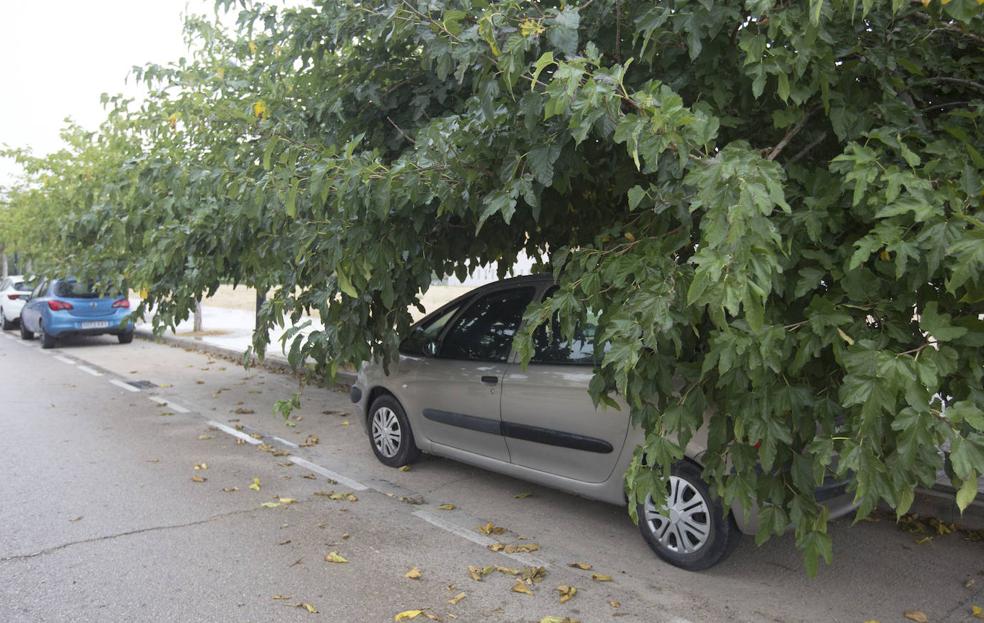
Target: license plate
[{"x": 101, "y": 324}]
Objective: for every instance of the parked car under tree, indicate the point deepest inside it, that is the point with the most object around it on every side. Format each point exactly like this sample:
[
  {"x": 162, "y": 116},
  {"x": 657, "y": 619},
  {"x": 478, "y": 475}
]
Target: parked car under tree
[{"x": 59, "y": 308}]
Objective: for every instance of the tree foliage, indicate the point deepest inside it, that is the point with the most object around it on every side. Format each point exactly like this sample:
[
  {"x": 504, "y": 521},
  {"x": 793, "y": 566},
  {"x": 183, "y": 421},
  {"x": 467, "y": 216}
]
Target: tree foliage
[{"x": 774, "y": 208}]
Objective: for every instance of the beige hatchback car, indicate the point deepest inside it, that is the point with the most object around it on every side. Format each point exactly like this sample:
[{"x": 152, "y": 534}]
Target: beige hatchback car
[{"x": 458, "y": 391}]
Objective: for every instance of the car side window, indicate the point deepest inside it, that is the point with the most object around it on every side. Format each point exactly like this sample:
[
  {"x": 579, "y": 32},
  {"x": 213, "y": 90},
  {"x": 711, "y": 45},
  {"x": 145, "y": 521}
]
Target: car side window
[
  {"x": 551, "y": 347},
  {"x": 484, "y": 331},
  {"x": 427, "y": 332},
  {"x": 39, "y": 291}
]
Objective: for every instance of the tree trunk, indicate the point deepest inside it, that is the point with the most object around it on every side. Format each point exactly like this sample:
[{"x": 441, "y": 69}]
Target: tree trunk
[
  {"x": 198, "y": 316},
  {"x": 3, "y": 264}
]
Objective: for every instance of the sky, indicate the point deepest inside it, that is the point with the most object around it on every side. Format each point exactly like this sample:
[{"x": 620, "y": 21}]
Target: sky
[{"x": 58, "y": 56}]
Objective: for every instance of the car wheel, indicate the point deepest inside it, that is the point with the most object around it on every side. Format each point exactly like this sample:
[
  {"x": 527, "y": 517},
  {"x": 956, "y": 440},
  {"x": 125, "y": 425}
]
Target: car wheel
[
  {"x": 125, "y": 338},
  {"x": 47, "y": 340},
  {"x": 25, "y": 334},
  {"x": 8, "y": 325},
  {"x": 390, "y": 434},
  {"x": 695, "y": 533}
]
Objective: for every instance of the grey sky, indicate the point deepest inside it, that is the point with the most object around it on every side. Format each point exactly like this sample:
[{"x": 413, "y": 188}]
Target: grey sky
[{"x": 58, "y": 56}]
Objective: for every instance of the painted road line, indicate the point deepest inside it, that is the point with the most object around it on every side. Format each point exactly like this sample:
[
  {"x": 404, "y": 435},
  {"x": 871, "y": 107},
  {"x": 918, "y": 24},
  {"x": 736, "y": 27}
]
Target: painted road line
[
  {"x": 289, "y": 444},
  {"x": 474, "y": 537},
  {"x": 157, "y": 399},
  {"x": 327, "y": 473},
  {"x": 235, "y": 433},
  {"x": 89, "y": 370},
  {"x": 126, "y": 386},
  {"x": 167, "y": 403},
  {"x": 65, "y": 360}
]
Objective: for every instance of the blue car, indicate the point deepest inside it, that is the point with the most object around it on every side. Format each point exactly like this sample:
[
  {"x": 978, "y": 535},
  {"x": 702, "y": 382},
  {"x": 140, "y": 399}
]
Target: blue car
[{"x": 62, "y": 307}]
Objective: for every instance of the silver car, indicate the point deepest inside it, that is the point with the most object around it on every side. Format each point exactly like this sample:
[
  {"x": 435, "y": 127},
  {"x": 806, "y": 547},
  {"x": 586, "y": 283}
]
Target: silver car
[{"x": 458, "y": 391}]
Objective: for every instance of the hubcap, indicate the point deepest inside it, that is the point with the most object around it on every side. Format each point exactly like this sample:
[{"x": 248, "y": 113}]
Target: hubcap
[
  {"x": 386, "y": 433},
  {"x": 687, "y": 523}
]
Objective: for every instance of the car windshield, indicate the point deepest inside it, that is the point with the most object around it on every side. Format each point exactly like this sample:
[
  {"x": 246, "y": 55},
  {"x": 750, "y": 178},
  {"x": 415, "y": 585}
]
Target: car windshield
[
  {"x": 72, "y": 289},
  {"x": 24, "y": 286}
]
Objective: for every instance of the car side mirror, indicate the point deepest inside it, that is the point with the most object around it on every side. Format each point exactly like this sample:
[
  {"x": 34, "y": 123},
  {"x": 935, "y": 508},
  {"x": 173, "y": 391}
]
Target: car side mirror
[{"x": 430, "y": 348}]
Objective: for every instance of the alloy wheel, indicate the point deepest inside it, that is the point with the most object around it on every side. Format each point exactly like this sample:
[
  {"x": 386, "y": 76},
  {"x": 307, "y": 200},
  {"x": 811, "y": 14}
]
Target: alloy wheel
[
  {"x": 386, "y": 433},
  {"x": 686, "y": 526}
]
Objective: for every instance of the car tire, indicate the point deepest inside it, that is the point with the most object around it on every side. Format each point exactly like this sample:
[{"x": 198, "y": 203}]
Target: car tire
[
  {"x": 125, "y": 338},
  {"x": 389, "y": 433},
  {"x": 699, "y": 533},
  {"x": 25, "y": 334},
  {"x": 8, "y": 325},
  {"x": 47, "y": 340}
]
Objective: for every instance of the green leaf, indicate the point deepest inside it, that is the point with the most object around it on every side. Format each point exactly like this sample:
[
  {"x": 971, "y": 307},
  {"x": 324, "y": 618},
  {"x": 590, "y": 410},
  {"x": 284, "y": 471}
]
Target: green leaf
[
  {"x": 966, "y": 493},
  {"x": 636, "y": 195},
  {"x": 546, "y": 59},
  {"x": 291, "y": 205},
  {"x": 345, "y": 285}
]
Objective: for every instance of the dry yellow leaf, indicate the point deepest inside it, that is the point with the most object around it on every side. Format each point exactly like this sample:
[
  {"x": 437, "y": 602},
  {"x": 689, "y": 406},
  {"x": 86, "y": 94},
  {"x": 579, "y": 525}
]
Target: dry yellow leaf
[
  {"x": 201, "y": 466},
  {"x": 490, "y": 528},
  {"x": 255, "y": 485},
  {"x": 307, "y": 607},
  {"x": 230, "y": 489},
  {"x": 566, "y": 592},
  {"x": 555, "y": 619},
  {"x": 270, "y": 504},
  {"x": 287, "y": 500},
  {"x": 205, "y": 436},
  {"x": 534, "y": 574},
  {"x": 523, "y": 495},
  {"x": 614, "y": 603},
  {"x": 497, "y": 547},
  {"x": 312, "y": 440},
  {"x": 334, "y": 557},
  {"x": 406, "y": 615},
  {"x": 456, "y": 598},
  {"x": 281, "y": 597},
  {"x": 523, "y": 548},
  {"x": 521, "y": 587},
  {"x": 477, "y": 573},
  {"x": 405, "y": 468},
  {"x": 977, "y": 612},
  {"x": 197, "y": 478},
  {"x": 413, "y": 574},
  {"x": 601, "y": 577},
  {"x": 508, "y": 570},
  {"x": 916, "y": 615},
  {"x": 583, "y": 566},
  {"x": 447, "y": 507},
  {"x": 345, "y": 422}
]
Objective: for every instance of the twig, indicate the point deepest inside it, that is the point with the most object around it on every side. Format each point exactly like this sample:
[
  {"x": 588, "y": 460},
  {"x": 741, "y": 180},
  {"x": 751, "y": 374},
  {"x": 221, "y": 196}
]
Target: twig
[
  {"x": 806, "y": 149},
  {"x": 400, "y": 130},
  {"x": 793, "y": 131}
]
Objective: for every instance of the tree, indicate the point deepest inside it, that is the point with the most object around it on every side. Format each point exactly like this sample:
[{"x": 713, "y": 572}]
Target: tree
[{"x": 774, "y": 208}]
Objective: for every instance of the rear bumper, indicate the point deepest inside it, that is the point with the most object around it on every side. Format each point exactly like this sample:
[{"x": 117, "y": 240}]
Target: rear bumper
[
  {"x": 62, "y": 325},
  {"x": 832, "y": 493}
]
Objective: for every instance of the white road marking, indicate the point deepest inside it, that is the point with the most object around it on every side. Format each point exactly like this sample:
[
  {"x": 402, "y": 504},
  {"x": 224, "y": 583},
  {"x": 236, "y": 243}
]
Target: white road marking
[
  {"x": 235, "y": 433},
  {"x": 65, "y": 360},
  {"x": 167, "y": 403},
  {"x": 89, "y": 370},
  {"x": 126, "y": 386},
  {"x": 157, "y": 399},
  {"x": 290, "y": 444},
  {"x": 474, "y": 537},
  {"x": 327, "y": 473}
]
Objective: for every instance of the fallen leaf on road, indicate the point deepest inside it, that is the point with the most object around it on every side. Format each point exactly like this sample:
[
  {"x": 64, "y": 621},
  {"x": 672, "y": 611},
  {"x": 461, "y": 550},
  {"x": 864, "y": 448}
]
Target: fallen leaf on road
[
  {"x": 270, "y": 504},
  {"x": 312, "y": 440},
  {"x": 553, "y": 619},
  {"x": 284, "y": 542},
  {"x": 970, "y": 583},
  {"x": 152, "y": 461},
  {"x": 916, "y": 615},
  {"x": 490, "y": 528},
  {"x": 199, "y": 382},
  {"x": 405, "y": 468},
  {"x": 73, "y": 519},
  {"x": 413, "y": 574},
  {"x": 477, "y": 573},
  {"x": 413, "y": 499},
  {"x": 201, "y": 466},
  {"x": 447, "y": 507},
  {"x": 335, "y": 557},
  {"x": 331, "y": 495},
  {"x": 534, "y": 574},
  {"x": 243, "y": 410},
  {"x": 197, "y": 478},
  {"x": 601, "y": 577},
  {"x": 205, "y": 436},
  {"x": 406, "y": 615},
  {"x": 255, "y": 485},
  {"x": 521, "y": 587},
  {"x": 307, "y": 607},
  {"x": 165, "y": 413},
  {"x": 345, "y": 422},
  {"x": 508, "y": 570},
  {"x": 977, "y": 612},
  {"x": 230, "y": 489},
  {"x": 614, "y": 603},
  {"x": 522, "y": 548},
  {"x": 523, "y": 495},
  {"x": 583, "y": 566},
  {"x": 345, "y": 536},
  {"x": 286, "y": 501},
  {"x": 566, "y": 592},
  {"x": 310, "y": 476},
  {"x": 454, "y": 600},
  {"x": 281, "y": 597}
]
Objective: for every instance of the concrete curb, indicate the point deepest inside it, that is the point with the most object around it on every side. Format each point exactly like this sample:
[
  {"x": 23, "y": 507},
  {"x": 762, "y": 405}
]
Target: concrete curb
[{"x": 343, "y": 379}]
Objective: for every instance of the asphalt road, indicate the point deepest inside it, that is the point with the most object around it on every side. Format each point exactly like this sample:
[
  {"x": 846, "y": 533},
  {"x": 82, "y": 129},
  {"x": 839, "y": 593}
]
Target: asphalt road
[{"x": 102, "y": 519}]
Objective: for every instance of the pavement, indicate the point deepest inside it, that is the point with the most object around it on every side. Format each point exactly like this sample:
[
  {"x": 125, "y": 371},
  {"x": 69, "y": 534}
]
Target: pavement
[{"x": 103, "y": 517}]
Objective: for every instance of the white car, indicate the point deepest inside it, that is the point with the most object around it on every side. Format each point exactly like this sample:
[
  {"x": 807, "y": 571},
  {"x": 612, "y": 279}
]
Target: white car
[{"x": 14, "y": 291}]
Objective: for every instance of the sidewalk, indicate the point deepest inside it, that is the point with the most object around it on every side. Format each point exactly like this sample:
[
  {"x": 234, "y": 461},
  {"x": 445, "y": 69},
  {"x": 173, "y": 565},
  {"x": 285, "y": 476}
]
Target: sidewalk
[{"x": 229, "y": 332}]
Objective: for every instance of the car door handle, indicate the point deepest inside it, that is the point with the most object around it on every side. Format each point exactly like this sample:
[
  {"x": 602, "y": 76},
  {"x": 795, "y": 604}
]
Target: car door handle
[{"x": 490, "y": 380}]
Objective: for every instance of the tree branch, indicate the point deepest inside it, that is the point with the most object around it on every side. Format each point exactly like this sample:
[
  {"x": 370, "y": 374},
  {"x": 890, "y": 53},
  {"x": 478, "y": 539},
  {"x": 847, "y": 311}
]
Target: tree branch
[{"x": 793, "y": 131}]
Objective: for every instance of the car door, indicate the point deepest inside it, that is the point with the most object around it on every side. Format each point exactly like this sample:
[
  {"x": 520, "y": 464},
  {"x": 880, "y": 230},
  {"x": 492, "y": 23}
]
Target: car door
[
  {"x": 458, "y": 389},
  {"x": 32, "y": 310},
  {"x": 549, "y": 421}
]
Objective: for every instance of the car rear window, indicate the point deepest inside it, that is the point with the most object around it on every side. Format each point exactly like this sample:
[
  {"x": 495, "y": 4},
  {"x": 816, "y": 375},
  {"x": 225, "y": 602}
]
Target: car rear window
[
  {"x": 75, "y": 290},
  {"x": 25, "y": 286}
]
